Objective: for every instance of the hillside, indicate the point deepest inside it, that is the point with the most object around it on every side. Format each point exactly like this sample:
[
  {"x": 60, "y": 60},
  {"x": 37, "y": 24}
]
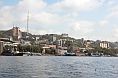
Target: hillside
[
  {"x": 5, "y": 33},
  {"x": 8, "y": 33}
]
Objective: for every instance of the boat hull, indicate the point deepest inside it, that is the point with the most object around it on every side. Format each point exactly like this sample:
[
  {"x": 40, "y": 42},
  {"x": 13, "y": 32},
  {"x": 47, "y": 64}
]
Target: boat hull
[
  {"x": 9, "y": 53},
  {"x": 18, "y": 54}
]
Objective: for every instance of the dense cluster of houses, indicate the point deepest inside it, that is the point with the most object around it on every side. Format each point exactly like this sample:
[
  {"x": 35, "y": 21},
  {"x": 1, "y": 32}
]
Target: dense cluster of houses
[{"x": 61, "y": 43}]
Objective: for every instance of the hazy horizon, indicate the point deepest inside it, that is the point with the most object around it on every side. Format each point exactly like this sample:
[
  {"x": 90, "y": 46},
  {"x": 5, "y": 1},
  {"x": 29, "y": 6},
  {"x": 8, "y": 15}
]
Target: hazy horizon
[{"x": 89, "y": 19}]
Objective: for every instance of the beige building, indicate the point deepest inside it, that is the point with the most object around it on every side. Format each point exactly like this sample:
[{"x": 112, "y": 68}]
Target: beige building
[
  {"x": 16, "y": 33},
  {"x": 88, "y": 44}
]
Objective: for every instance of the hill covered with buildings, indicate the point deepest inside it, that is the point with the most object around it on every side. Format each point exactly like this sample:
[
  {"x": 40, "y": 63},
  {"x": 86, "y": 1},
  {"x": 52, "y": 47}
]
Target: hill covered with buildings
[{"x": 57, "y": 43}]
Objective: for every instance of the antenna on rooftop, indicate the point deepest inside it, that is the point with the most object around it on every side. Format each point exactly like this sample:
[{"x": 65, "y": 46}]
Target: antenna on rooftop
[
  {"x": 13, "y": 25},
  {"x": 28, "y": 22}
]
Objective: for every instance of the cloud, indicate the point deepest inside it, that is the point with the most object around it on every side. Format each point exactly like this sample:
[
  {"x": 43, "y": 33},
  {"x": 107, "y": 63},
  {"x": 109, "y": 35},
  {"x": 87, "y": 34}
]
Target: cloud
[
  {"x": 115, "y": 31},
  {"x": 113, "y": 12},
  {"x": 103, "y": 23},
  {"x": 115, "y": 34},
  {"x": 45, "y": 18},
  {"x": 5, "y": 17},
  {"x": 83, "y": 27},
  {"x": 111, "y": 2},
  {"x": 78, "y": 5},
  {"x": 62, "y": 16},
  {"x": 32, "y": 5},
  {"x": 17, "y": 14}
]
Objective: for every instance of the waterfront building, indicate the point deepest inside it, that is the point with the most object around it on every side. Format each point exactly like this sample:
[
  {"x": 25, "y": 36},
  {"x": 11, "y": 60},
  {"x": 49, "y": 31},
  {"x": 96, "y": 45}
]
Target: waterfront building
[
  {"x": 62, "y": 50},
  {"x": 104, "y": 44}
]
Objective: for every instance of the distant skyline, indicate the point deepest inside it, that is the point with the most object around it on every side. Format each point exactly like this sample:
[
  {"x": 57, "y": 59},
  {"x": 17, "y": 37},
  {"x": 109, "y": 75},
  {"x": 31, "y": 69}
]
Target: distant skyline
[{"x": 89, "y": 19}]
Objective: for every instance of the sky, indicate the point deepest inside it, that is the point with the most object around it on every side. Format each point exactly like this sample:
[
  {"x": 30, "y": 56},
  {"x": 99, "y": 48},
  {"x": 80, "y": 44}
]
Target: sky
[{"x": 89, "y": 19}]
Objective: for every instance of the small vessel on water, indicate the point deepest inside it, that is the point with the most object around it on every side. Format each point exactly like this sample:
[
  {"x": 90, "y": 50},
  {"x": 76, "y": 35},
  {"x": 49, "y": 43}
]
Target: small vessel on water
[
  {"x": 69, "y": 54},
  {"x": 10, "y": 53},
  {"x": 17, "y": 53},
  {"x": 31, "y": 54},
  {"x": 7, "y": 53}
]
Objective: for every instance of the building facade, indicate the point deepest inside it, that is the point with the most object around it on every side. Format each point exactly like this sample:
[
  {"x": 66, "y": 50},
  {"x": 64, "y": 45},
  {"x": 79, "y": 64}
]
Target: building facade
[
  {"x": 64, "y": 35},
  {"x": 1, "y": 46},
  {"x": 104, "y": 44},
  {"x": 16, "y": 33}
]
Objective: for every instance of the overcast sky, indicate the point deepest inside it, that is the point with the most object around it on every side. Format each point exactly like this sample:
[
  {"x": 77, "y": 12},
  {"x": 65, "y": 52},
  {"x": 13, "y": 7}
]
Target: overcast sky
[{"x": 89, "y": 19}]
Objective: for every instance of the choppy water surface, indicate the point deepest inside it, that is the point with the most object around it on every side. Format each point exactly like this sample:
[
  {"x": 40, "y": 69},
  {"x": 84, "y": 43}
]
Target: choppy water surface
[{"x": 58, "y": 67}]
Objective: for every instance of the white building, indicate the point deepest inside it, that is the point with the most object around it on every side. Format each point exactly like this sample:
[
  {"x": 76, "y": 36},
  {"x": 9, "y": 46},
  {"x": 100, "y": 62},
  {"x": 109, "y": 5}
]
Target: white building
[
  {"x": 104, "y": 44},
  {"x": 61, "y": 42},
  {"x": 64, "y": 35}
]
